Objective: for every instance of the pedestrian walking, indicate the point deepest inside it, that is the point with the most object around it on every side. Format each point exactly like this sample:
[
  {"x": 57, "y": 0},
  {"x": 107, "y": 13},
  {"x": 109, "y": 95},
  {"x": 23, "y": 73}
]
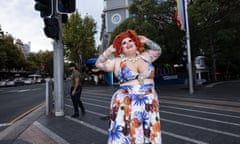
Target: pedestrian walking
[
  {"x": 134, "y": 109},
  {"x": 76, "y": 90}
]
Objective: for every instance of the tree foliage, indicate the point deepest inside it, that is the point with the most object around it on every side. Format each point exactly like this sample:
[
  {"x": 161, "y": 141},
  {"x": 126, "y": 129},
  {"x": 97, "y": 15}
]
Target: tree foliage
[
  {"x": 78, "y": 37},
  {"x": 40, "y": 62},
  {"x": 12, "y": 58},
  {"x": 214, "y": 30},
  {"x": 10, "y": 55},
  {"x": 214, "y": 27}
]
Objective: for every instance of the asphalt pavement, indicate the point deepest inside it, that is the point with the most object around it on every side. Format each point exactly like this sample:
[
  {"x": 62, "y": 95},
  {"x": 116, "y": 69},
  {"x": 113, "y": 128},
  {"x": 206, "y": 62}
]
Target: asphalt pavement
[{"x": 39, "y": 128}]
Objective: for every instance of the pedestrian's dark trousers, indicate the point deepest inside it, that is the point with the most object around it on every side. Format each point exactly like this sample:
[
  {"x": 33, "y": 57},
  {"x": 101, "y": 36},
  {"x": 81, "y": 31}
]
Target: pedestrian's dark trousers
[{"x": 76, "y": 99}]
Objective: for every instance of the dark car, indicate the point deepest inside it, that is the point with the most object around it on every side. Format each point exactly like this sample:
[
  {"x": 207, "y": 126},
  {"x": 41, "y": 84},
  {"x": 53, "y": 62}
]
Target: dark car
[{"x": 19, "y": 82}]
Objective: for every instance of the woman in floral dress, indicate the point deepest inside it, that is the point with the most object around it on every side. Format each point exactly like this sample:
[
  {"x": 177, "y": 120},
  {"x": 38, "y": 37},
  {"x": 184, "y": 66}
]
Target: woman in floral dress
[{"x": 134, "y": 110}]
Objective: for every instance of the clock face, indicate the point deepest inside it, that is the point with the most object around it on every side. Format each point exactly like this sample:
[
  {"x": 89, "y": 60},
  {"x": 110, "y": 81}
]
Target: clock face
[{"x": 116, "y": 18}]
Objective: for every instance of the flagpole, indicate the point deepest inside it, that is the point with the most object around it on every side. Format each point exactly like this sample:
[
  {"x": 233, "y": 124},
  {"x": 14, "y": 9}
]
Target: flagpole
[{"x": 190, "y": 76}]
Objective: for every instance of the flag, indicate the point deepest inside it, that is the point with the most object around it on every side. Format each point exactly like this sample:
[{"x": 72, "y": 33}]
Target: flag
[{"x": 180, "y": 14}]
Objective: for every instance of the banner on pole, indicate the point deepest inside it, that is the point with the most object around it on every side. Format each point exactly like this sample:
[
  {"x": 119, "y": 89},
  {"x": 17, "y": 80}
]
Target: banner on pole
[{"x": 180, "y": 14}]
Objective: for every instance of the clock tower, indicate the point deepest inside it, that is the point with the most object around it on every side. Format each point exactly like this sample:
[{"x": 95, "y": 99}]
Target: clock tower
[{"x": 115, "y": 12}]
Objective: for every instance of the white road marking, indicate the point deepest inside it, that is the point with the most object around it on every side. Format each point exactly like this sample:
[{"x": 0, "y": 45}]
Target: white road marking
[
  {"x": 105, "y": 132},
  {"x": 200, "y": 111},
  {"x": 100, "y": 130},
  {"x": 23, "y": 90},
  {"x": 213, "y": 84},
  {"x": 184, "y": 138},
  {"x": 92, "y": 98},
  {"x": 202, "y": 128},
  {"x": 201, "y": 118},
  {"x": 185, "y": 109},
  {"x": 50, "y": 133}
]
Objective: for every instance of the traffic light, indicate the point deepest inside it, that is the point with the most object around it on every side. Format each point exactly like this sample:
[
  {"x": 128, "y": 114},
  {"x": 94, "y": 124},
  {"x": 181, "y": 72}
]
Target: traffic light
[
  {"x": 66, "y": 6},
  {"x": 45, "y": 7},
  {"x": 51, "y": 28}
]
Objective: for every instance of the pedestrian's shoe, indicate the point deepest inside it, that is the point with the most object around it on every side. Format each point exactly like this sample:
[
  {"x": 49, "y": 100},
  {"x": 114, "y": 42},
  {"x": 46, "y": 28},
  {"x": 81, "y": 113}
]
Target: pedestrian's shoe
[
  {"x": 83, "y": 112},
  {"x": 75, "y": 115}
]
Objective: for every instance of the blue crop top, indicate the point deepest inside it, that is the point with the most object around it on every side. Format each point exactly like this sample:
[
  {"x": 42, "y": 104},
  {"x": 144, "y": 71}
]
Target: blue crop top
[{"x": 125, "y": 74}]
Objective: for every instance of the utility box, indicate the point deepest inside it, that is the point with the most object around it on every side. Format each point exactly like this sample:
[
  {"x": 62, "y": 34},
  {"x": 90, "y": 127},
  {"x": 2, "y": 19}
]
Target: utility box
[{"x": 201, "y": 71}]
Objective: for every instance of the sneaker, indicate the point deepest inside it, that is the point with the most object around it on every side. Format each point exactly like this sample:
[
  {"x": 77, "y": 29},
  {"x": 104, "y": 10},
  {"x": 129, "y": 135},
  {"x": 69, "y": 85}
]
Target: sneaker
[{"x": 75, "y": 115}]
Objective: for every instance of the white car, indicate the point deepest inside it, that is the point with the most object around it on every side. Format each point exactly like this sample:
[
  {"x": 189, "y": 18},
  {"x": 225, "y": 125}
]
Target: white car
[
  {"x": 2, "y": 83},
  {"x": 27, "y": 81},
  {"x": 10, "y": 83}
]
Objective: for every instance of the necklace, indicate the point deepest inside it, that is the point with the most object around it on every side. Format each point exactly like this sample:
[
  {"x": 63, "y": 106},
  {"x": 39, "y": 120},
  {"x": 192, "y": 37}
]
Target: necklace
[{"x": 133, "y": 60}]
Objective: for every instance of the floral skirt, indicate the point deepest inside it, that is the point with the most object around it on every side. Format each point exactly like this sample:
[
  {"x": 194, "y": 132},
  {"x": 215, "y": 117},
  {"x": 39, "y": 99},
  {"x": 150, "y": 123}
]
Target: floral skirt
[{"x": 134, "y": 116}]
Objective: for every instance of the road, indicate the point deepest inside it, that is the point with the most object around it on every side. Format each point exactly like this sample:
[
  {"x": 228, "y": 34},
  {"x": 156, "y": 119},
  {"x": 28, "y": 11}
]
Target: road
[
  {"x": 16, "y": 102},
  {"x": 210, "y": 116},
  {"x": 198, "y": 119}
]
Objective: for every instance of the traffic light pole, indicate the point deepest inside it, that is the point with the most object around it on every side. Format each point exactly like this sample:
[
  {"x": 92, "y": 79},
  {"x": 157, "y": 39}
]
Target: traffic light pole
[
  {"x": 58, "y": 68},
  {"x": 52, "y": 11}
]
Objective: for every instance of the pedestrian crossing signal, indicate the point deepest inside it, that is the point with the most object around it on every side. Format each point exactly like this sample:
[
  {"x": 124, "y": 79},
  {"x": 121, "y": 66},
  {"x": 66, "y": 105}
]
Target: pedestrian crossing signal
[{"x": 45, "y": 7}]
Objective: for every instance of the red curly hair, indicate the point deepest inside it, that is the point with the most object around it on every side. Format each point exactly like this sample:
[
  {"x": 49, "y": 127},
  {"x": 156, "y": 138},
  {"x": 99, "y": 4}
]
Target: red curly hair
[{"x": 117, "y": 42}]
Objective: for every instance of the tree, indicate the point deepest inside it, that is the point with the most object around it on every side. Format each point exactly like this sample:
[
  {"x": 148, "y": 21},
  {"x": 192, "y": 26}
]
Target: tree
[
  {"x": 10, "y": 55},
  {"x": 40, "y": 62},
  {"x": 78, "y": 38},
  {"x": 214, "y": 27},
  {"x": 3, "y": 57},
  {"x": 47, "y": 62},
  {"x": 12, "y": 58},
  {"x": 34, "y": 61}
]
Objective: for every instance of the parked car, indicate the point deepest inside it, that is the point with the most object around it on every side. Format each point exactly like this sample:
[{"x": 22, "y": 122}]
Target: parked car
[
  {"x": 19, "y": 82},
  {"x": 27, "y": 81},
  {"x": 2, "y": 83},
  {"x": 10, "y": 82}
]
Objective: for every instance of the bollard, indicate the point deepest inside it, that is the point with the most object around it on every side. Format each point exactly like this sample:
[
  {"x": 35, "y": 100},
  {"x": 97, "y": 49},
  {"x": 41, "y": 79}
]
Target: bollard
[
  {"x": 49, "y": 97},
  {"x": 67, "y": 88}
]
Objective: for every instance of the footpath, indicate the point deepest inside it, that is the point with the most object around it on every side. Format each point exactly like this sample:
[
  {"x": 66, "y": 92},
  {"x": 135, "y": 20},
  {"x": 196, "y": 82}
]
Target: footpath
[{"x": 39, "y": 128}]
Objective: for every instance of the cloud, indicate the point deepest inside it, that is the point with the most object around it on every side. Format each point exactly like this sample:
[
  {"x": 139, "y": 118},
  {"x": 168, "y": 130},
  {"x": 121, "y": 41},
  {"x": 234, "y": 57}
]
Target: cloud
[{"x": 21, "y": 20}]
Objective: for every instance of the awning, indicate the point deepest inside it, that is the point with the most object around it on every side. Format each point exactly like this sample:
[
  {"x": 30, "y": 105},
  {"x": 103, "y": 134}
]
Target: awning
[{"x": 90, "y": 61}]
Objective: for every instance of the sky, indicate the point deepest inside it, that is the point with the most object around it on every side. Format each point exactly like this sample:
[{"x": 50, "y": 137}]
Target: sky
[{"x": 22, "y": 21}]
